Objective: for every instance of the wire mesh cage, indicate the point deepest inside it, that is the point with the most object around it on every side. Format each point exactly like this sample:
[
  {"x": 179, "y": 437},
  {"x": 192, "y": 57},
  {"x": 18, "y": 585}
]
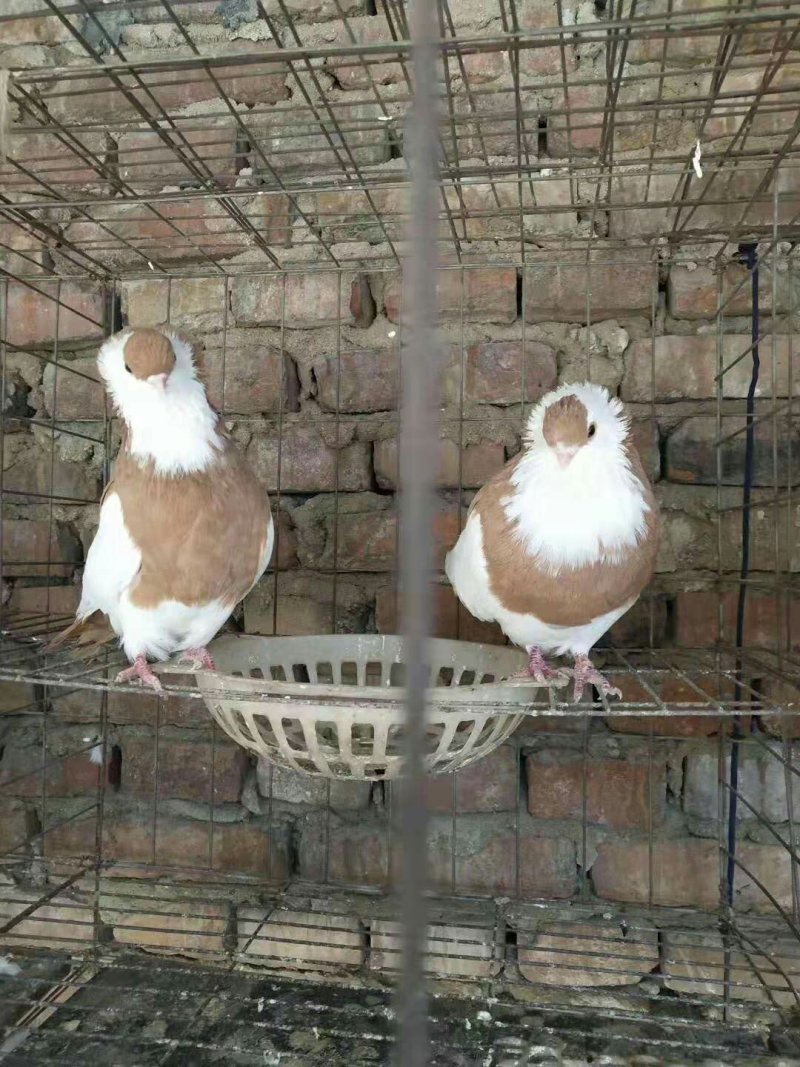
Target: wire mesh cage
[{"x": 617, "y": 200}]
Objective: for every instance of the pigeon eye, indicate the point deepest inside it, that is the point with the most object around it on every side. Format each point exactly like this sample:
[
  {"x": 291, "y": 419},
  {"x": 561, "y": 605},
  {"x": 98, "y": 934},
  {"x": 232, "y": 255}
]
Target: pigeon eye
[
  {"x": 128, "y": 369},
  {"x": 592, "y": 429}
]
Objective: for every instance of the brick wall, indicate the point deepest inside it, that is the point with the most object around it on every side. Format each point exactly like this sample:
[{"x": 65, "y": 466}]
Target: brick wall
[{"x": 309, "y": 359}]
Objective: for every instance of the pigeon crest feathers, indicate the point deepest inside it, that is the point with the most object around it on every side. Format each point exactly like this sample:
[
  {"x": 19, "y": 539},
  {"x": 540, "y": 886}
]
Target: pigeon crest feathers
[{"x": 152, "y": 381}]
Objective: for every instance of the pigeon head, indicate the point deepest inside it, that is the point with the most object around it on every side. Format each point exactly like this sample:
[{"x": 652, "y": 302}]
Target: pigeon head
[
  {"x": 152, "y": 381},
  {"x": 577, "y": 424}
]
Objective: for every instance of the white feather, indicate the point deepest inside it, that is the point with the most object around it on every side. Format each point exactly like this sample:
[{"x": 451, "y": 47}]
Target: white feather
[
  {"x": 8, "y": 967},
  {"x": 176, "y": 428},
  {"x": 468, "y": 574},
  {"x": 112, "y": 563},
  {"x": 591, "y": 510}
]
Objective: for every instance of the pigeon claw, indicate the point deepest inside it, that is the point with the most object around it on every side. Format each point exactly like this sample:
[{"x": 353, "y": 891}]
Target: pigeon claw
[
  {"x": 586, "y": 674},
  {"x": 199, "y": 658},
  {"x": 141, "y": 672},
  {"x": 540, "y": 670}
]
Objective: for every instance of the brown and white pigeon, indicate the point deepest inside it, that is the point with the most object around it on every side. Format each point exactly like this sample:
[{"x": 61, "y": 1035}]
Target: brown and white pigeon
[
  {"x": 560, "y": 543},
  {"x": 185, "y": 528}
]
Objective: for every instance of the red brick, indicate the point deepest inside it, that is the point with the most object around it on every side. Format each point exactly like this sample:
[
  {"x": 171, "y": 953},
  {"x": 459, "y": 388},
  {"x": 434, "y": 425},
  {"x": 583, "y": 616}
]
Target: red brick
[
  {"x": 53, "y": 162},
  {"x": 36, "y": 315},
  {"x": 469, "y": 467},
  {"x": 674, "y": 692},
  {"x": 765, "y": 621},
  {"x": 557, "y": 292},
  {"x": 301, "y": 301},
  {"x": 93, "y": 99},
  {"x": 65, "y": 776},
  {"x": 367, "y": 533},
  {"x": 242, "y": 848},
  {"x": 451, "y": 619},
  {"x": 691, "y": 451},
  {"x": 185, "y": 769},
  {"x": 21, "y": 252},
  {"x": 18, "y": 823},
  {"x": 494, "y": 371},
  {"x": 303, "y": 459},
  {"x": 38, "y": 29},
  {"x": 28, "y": 544},
  {"x": 365, "y": 380},
  {"x": 695, "y": 293},
  {"x": 686, "y": 874},
  {"x": 355, "y": 73},
  {"x": 617, "y": 791},
  {"x": 69, "y": 395},
  {"x": 544, "y": 61},
  {"x": 488, "y": 785},
  {"x": 150, "y": 159},
  {"x": 586, "y": 107},
  {"x": 52, "y": 600},
  {"x": 253, "y": 377},
  {"x": 486, "y": 294},
  {"x": 686, "y": 367}
]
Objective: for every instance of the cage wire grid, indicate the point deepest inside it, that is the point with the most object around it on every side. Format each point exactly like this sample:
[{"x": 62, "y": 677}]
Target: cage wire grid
[{"x": 513, "y": 164}]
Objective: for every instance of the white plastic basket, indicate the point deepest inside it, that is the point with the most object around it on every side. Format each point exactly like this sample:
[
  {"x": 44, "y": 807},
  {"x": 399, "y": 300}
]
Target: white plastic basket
[{"x": 334, "y": 706}]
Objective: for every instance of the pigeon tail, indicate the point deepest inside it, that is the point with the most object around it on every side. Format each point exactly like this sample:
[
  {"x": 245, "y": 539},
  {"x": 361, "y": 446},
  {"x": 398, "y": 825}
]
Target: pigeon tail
[{"x": 88, "y": 635}]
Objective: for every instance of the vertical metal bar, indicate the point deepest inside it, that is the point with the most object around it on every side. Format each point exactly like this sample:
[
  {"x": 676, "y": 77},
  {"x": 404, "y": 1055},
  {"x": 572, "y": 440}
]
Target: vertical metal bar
[{"x": 418, "y": 438}]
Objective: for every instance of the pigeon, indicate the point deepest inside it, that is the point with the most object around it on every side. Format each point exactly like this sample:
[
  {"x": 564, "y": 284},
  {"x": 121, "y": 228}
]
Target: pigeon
[
  {"x": 185, "y": 527},
  {"x": 559, "y": 544}
]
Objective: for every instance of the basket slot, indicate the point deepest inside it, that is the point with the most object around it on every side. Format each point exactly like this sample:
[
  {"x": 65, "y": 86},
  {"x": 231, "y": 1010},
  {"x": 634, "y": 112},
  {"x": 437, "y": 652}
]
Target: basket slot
[
  {"x": 466, "y": 678},
  {"x": 348, "y": 673},
  {"x": 445, "y": 676},
  {"x": 277, "y": 673},
  {"x": 375, "y": 770},
  {"x": 487, "y": 679},
  {"x": 300, "y": 672},
  {"x": 327, "y": 734},
  {"x": 256, "y": 672},
  {"x": 361, "y": 739},
  {"x": 291, "y": 732},
  {"x": 397, "y": 675},
  {"x": 324, "y": 674},
  {"x": 374, "y": 673}
]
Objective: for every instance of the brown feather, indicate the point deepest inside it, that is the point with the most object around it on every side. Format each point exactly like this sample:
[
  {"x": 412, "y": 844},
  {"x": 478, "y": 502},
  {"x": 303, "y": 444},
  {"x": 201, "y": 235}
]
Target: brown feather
[
  {"x": 89, "y": 634},
  {"x": 569, "y": 597}
]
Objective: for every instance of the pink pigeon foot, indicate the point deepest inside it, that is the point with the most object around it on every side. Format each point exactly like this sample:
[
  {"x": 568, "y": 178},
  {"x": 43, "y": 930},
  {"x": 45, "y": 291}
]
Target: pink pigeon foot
[
  {"x": 199, "y": 658},
  {"x": 585, "y": 674},
  {"x": 539, "y": 669},
  {"x": 140, "y": 671}
]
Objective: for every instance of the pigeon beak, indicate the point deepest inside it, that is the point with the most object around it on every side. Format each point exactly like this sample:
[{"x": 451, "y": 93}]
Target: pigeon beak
[
  {"x": 159, "y": 381},
  {"x": 565, "y": 455}
]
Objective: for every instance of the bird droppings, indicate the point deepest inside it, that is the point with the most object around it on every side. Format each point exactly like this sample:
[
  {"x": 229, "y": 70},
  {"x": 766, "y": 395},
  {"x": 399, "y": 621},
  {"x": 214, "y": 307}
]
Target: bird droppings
[{"x": 484, "y": 1017}]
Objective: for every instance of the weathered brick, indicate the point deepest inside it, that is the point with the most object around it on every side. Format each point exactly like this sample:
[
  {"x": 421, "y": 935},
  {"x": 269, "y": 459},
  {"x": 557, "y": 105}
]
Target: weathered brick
[
  {"x": 293, "y": 787},
  {"x": 494, "y": 372},
  {"x": 36, "y": 315},
  {"x": 484, "y": 294},
  {"x": 694, "y": 292},
  {"x": 168, "y": 767},
  {"x": 688, "y": 46},
  {"x": 488, "y": 785},
  {"x": 304, "y": 459},
  {"x": 156, "y": 160},
  {"x": 242, "y": 848},
  {"x": 73, "y": 390},
  {"x": 93, "y": 99},
  {"x": 46, "y": 158},
  {"x": 357, "y": 73},
  {"x": 17, "y": 824},
  {"x": 468, "y": 467},
  {"x": 61, "y": 922},
  {"x": 38, "y": 471},
  {"x": 686, "y": 874},
  {"x": 761, "y": 787},
  {"x": 583, "y": 134},
  {"x": 691, "y": 452},
  {"x": 450, "y": 618},
  {"x": 557, "y": 291},
  {"x": 309, "y": 604},
  {"x": 450, "y": 951},
  {"x": 618, "y": 791},
  {"x": 366, "y": 533},
  {"x": 36, "y": 29},
  {"x": 685, "y": 368},
  {"x": 26, "y": 771},
  {"x": 249, "y": 378},
  {"x": 673, "y": 691},
  {"x": 300, "y": 301},
  {"x": 181, "y": 927},
  {"x": 354, "y": 381},
  {"x": 300, "y": 939},
  {"x": 766, "y": 622},
  {"x": 587, "y": 953},
  {"x": 546, "y": 60},
  {"x": 646, "y": 439},
  {"x": 28, "y": 545},
  {"x": 698, "y": 963},
  {"x": 315, "y": 144}
]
